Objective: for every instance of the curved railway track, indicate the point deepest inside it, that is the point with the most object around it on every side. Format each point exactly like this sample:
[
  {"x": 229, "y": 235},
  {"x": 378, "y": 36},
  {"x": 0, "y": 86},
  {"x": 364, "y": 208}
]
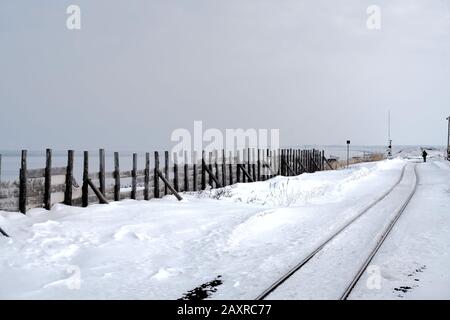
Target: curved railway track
[{"x": 361, "y": 270}]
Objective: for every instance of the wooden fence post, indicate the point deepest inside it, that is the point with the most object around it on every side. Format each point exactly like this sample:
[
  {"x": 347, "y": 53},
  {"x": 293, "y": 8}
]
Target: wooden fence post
[
  {"x": 203, "y": 171},
  {"x": 259, "y": 164},
  {"x": 288, "y": 162},
  {"x": 302, "y": 157},
  {"x": 166, "y": 170},
  {"x": 254, "y": 164},
  {"x": 230, "y": 168},
  {"x": 116, "y": 177},
  {"x": 194, "y": 169},
  {"x": 293, "y": 164},
  {"x": 156, "y": 177},
  {"x": 48, "y": 179},
  {"x": 175, "y": 172},
  {"x": 101, "y": 173},
  {"x": 100, "y": 196},
  {"x": 167, "y": 183},
  {"x": 224, "y": 169},
  {"x": 23, "y": 183},
  {"x": 147, "y": 176},
  {"x": 238, "y": 171},
  {"x": 85, "y": 187},
  {"x": 186, "y": 172},
  {"x": 244, "y": 161},
  {"x": 249, "y": 162},
  {"x": 323, "y": 160},
  {"x": 216, "y": 164},
  {"x": 134, "y": 177},
  {"x": 69, "y": 179},
  {"x": 210, "y": 167}
]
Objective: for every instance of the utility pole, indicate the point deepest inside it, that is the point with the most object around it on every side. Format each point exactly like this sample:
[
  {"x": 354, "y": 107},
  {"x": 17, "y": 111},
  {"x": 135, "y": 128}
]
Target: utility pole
[
  {"x": 448, "y": 139},
  {"x": 348, "y": 151},
  {"x": 389, "y": 136}
]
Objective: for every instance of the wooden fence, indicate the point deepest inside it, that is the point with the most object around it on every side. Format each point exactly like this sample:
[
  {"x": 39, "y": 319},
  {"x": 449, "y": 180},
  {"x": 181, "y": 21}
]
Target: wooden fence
[{"x": 46, "y": 186}]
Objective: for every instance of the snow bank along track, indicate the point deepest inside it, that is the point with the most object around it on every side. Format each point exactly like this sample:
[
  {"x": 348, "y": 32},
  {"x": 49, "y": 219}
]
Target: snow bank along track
[{"x": 385, "y": 233}]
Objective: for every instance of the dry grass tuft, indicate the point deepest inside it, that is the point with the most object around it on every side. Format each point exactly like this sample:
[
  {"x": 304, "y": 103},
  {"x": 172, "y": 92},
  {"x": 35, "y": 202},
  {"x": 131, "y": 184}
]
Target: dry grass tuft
[{"x": 368, "y": 158}]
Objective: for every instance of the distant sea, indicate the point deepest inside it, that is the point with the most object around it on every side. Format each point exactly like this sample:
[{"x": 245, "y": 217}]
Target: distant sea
[{"x": 36, "y": 159}]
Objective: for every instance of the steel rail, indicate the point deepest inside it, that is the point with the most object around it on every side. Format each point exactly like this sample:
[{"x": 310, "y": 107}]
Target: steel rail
[
  {"x": 305, "y": 260},
  {"x": 383, "y": 237}
]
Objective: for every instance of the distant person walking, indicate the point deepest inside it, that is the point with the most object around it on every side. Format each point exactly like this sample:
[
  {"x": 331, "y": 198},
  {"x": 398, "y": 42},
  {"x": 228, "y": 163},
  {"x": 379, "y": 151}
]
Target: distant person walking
[{"x": 424, "y": 155}]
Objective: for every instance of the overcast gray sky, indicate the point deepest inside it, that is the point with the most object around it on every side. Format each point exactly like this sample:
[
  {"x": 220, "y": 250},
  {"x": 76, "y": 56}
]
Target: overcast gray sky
[{"x": 139, "y": 69}]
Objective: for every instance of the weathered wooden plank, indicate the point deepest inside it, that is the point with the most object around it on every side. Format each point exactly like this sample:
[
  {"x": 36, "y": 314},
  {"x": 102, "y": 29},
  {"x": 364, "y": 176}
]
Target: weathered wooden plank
[
  {"x": 186, "y": 172},
  {"x": 147, "y": 177},
  {"x": 116, "y": 177},
  {"x": 166, "y": 171},
  {"x": 167, "y": 183},
  {"x": 212, "y": 176},
  {"x": 175, "y": 173},
  {"x": 85, "y": 187},
  {"x": 23, "y": 183},
  {"x": 155, "y": 176},
  {"x": 224, "y": 169},
  {"x": 101, "y": 172},
  {"x": 97, "y": 192},
  {"x": 203, "y": 171},
  {"x": 194, "y": 172},
  {"x": 69, "y": 179},
  {"x": 48, "y": 179},
  {"x": 133, "y": 177},
  {"x": 245, "y": 172}
]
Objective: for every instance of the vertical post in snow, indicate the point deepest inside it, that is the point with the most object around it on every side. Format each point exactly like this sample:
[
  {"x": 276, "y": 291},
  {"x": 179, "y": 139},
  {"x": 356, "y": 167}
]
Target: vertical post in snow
[
  {"x": 230, "y": 168},
  {"x": 216, "y": 165},
  {"x": 175, "y": 172},
  {"x": 194, "y": 171},
  {"x": 448, "y": 139},
  {"x": 156, "y": 177},
  {"x": 147, "y": 177},
  {"x": 69, "y": 179},
  {"x": 224, "y": 169},
  {"x": 348, "y": 152},
  {"x": 203, "y": 171},
  {"x": 85, "y": 187},
  {"x": 48, "y": 179},
  {"x": 134, "y": 177},
  {"x": 210, "y": 167},
  {"x": 238, "y": 171},
  {"x": 166, "y": 170},
  {"x": 186, "y": 172},
  {"x": 23, "y": 183},
  {"x": 116, "y": 177},
  {"x": 254, "y": 164},
  {"x": 101, "y": 173},
  {"x": 249, "y": 161}
]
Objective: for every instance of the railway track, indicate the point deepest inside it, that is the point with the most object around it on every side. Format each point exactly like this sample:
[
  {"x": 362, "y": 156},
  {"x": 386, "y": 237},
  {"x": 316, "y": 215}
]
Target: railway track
[{"x": 369, "y": 258}]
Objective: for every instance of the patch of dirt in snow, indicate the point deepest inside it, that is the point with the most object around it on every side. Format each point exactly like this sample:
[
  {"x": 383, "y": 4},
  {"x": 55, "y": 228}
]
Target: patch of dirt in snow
[{"x": 204, "y": 291}]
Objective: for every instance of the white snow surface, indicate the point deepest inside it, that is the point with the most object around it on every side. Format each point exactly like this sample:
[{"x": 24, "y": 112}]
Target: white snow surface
[{"x": 248, "y": 234}]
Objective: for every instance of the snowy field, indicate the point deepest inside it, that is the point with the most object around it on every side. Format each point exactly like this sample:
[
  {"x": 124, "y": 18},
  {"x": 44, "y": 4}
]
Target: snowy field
[{"x": 240, "y": 239}]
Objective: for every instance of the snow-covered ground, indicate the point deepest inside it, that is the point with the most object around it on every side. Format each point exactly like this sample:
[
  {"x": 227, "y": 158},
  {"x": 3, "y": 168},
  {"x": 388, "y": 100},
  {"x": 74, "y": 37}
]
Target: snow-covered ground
[{"x": 239, "y": 239}]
